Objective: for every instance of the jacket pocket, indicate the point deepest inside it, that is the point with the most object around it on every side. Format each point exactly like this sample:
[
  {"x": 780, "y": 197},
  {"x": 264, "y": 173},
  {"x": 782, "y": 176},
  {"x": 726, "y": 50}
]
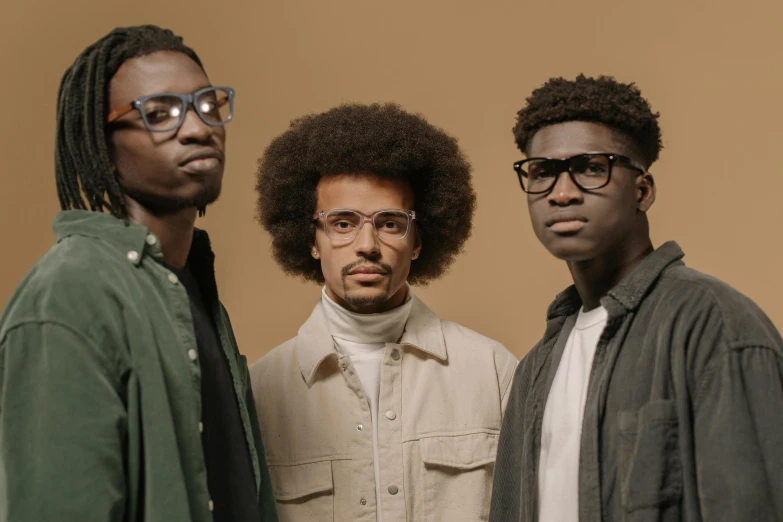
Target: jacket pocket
[
  {"x": 649, "y": 460},
  {"x": 304, "y": 491},
  {"x": 458, "y": 476}
]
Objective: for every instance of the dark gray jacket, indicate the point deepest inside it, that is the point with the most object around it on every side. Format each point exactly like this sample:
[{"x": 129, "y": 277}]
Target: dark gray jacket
[{"x": 684, "y": 412}]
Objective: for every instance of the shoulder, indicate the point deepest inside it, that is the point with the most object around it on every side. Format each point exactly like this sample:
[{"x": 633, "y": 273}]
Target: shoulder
[
  {"x": 701, "y": 320},
  {"x": 66, "y": 284},
  {"x": 83, "y": 285},
  {"x": 273, "y": 362},
  {"x": 699, "y": 301},
  {"x": 465, "y": 342}
]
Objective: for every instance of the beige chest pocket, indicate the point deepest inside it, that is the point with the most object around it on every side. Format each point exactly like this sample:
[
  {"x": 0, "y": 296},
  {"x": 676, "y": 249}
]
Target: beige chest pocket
[
  {"x": 304, "y": 491},
  {"x": 457, "y": 476}
]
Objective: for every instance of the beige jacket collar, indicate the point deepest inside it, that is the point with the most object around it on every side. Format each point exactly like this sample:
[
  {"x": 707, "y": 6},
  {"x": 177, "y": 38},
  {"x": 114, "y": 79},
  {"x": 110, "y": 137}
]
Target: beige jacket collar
[{"x": 314, "y": 344}]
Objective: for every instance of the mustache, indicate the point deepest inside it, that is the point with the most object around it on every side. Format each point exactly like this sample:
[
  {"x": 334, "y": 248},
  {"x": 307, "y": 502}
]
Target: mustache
[{"x": 347, "y": 268}]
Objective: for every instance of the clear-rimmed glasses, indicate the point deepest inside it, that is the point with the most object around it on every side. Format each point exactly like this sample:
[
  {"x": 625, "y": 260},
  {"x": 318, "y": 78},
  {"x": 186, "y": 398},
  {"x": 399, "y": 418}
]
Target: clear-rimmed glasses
[
  {"x": 165, "y": 112},
  {"x": 344, "y": 224},
  {"x": 589, "y": 171}
]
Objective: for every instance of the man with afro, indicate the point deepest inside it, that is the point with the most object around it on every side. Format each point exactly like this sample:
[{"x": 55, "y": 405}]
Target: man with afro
[
  {"x": 656, "y": 392},
  {"x": 377, "y": 409}
]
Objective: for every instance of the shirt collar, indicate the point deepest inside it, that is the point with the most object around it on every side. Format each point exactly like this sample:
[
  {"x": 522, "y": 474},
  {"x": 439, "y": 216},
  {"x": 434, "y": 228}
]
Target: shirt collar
[
  {"x": 314, "y": 344},
  {"x": 629, "y": 292},
  {"x": 129, "y": 238},
  {"x": 134, "y": 242}
]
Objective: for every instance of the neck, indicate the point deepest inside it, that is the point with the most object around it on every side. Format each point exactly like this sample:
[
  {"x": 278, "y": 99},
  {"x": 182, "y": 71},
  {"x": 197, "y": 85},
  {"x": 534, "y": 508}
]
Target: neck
[
  {"x": 361, "y": 328},
  {"x": 175, "y": 231},
  {"x": 593, "y": 278}
]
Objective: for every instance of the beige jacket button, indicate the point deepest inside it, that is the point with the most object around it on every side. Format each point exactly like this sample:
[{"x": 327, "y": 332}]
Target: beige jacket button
[
  {"x": 395, "y": 354},
  {"x": 393, "y": 489},
  {"x": 391, "y": 415}
]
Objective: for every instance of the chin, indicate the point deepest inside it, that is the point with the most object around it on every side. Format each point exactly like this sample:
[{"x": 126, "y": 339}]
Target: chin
[
  {"x": 571, "y": 249},
  {"x": 366, "y": 296}
]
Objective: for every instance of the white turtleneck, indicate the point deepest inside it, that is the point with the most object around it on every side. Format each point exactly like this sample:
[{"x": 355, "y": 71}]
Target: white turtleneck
[{"x": 363, "y": 338}]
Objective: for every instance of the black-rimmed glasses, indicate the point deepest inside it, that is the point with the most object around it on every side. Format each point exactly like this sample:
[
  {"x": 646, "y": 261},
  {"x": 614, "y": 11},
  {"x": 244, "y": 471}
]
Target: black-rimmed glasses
[
  {"x": 344, "y": 224},
  {"x": 165, "y": 112},
  {"x": 588, "y": 171}
]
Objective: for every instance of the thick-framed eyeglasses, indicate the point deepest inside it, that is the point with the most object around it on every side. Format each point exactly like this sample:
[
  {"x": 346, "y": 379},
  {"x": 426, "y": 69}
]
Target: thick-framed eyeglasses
[
  {"x": 589, "y": 171},
  {"x": 165, "y": 112},
  {"x": 344, "y": 224}
]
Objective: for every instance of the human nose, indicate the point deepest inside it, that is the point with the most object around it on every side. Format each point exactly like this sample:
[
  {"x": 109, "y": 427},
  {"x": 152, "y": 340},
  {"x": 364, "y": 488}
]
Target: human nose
[
  {"x": 193, "y": 128},
  {"x": 366, "y": 241},
  {"x": 564, "y": 192}
]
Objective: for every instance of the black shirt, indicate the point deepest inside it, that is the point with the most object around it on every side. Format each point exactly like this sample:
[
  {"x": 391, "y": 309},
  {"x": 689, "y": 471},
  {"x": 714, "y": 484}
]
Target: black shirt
[{"x": 229, "y": 469}]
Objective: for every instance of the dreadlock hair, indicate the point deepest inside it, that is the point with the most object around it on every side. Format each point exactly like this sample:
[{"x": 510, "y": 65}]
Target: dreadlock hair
[
  {"x": 601, "y": 100},
  {"x": 82, "y": 163},
  {"x": 382, "y": 140}
]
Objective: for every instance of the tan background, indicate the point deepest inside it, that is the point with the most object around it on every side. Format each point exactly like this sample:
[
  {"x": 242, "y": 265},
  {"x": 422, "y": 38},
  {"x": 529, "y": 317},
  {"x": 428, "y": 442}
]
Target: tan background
[{"x": 713, "y": 70}]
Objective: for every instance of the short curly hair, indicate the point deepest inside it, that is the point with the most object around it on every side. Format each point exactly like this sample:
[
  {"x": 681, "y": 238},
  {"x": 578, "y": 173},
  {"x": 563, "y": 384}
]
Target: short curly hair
[
  {"x": 601, "y": 100},
  {"x": 378, "y": 139}
]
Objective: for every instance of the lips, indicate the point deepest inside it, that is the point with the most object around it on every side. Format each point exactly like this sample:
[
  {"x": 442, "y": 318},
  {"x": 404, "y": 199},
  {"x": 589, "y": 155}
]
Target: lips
[
  {"x": 565, "y": 223},
  {"x": 564, "y": 218},
  {"x": 210, "y": 154},
  {"x": 367, "y": 270}
]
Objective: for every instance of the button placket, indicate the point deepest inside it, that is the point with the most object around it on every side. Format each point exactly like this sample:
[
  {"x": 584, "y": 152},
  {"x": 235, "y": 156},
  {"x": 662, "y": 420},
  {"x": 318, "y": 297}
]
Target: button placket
[{"x": 390, "y": 434}]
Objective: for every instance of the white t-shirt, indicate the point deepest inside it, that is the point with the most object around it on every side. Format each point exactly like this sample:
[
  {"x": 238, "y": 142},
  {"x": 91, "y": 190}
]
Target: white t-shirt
[
  {"x": 561, "y": 430},
  {"x": 363, "y": 338}
]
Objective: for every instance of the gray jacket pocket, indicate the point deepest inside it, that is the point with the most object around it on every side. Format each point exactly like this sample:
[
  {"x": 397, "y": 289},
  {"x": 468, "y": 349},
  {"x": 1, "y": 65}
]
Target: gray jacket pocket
[{"x": 649, "y": 465}]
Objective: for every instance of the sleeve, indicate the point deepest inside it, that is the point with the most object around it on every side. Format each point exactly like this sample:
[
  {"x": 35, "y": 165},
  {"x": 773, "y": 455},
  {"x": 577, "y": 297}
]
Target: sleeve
[
  {"x": 62, "y": 428},
  {"x": 738, "y": 417},
  {"x": 505, "y": 504},
  {"x": 267, "y": 502},
  {"x": 506, "y": 377}
]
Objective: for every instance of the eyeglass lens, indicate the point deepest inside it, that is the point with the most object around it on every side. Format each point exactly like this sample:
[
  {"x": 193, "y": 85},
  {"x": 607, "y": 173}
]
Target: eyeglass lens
[
  {"x": 345, "y": 224},
  {"x": 164, "y": 112}
]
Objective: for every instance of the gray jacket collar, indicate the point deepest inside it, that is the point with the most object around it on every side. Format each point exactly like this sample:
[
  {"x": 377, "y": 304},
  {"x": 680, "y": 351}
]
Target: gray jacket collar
[{"x": 629, "y": 292}]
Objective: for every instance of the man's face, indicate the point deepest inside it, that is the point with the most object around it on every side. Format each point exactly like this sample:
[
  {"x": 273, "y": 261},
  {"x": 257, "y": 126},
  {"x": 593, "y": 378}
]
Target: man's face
[
  {"x": 165, "y": 171},
  {"x": 577, "y": 225},
  {"x": 366, "y": 274}
]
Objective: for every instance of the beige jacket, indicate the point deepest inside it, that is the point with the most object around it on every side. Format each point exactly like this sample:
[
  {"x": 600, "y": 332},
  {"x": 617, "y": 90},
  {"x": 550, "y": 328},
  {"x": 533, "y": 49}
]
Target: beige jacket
[{"x": 443, "y": 391}]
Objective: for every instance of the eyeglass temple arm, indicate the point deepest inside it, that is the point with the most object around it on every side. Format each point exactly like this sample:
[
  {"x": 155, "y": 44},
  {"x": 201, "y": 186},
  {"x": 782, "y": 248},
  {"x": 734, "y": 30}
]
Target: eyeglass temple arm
[{"x": 120, "y": 112}]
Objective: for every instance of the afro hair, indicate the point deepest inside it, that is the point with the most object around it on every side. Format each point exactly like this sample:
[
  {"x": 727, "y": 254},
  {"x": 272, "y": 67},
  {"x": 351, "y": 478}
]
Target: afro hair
[
  {"x": 378, "y": 139},
  {"x": 601, "y": 100}
]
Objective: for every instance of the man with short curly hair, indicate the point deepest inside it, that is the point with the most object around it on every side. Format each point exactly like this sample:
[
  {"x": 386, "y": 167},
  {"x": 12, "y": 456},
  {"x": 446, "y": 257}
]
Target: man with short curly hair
[
  {"x": 378, "y": 409},
  {"x": 656, "y": 392}
]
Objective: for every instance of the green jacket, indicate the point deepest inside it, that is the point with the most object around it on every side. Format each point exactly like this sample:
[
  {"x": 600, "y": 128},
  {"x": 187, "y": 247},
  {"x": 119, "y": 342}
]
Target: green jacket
[{"x": 99, "y": 387}]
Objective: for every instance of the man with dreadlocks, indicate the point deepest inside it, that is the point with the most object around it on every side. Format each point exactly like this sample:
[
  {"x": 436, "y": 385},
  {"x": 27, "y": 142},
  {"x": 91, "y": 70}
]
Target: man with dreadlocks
[
  {"x": 123, "y": 395},
  {"x": 378, "y": 409},
  {"x": 656, "y": 392}
]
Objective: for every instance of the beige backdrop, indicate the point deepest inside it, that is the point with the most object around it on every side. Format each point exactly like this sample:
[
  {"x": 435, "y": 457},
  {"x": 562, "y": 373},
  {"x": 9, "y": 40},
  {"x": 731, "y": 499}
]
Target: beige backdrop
[{"x": 713, "y": 70}]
